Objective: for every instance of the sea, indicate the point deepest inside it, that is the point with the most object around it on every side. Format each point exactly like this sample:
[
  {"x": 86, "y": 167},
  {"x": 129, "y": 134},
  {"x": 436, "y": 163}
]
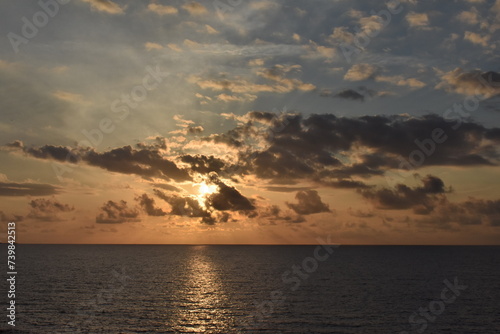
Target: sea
[{"x": 253, "y": 289}]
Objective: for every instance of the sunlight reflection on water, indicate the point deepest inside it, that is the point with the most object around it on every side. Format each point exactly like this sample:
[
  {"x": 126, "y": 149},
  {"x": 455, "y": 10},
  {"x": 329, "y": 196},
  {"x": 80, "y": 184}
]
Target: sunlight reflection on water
[{"x": 203, "y": 303}]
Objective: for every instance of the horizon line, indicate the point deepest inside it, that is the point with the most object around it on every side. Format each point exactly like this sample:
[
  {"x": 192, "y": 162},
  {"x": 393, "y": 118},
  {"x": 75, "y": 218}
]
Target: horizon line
[{"x": 235, "y": 244}]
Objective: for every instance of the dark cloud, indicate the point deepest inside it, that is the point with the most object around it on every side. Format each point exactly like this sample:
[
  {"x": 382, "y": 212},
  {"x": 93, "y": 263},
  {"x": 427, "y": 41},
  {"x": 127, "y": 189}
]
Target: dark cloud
[
  {"x": 189, "y": 206},
  {"x": 148, "y": 205},
  {"x": 227, "y": 197},
  {"x": 159, "y": 143},
  {"x": 273, "y": 214},
  {"x": 325, "y": 147},
  {"x": 117, "y": 213},
  {"x": 309, "y": 202},
  {"x": 183, "y": 205},
  {"x": 58, "y": 153},
  {"x": 211, "y": 209},
  {"x": 193, "y": 130},
  {"x": 421, "y": 199},
  {"x": 15, "y": 144},
  {"x": 27, "y": 189},
  {"x": 203, "y": 164},
  {"x": 216, "y": 217},
  {"x": 231, "y": 138},
  {"x": 448, "y": 215},
  {"x": 145, "y": 162},
  {"x": 350, "y": 94},
  {"x": 261, "y": 116},
  {"x": 4, "y": 217},
  {"x": 358, "y": 94},
  {"x": 433, "y": 185},
  {"x": 47, "y": 209}
]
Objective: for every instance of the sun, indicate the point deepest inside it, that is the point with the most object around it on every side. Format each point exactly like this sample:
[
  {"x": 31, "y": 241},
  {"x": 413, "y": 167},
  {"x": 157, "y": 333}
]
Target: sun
[{"x": 206, "y": 189}]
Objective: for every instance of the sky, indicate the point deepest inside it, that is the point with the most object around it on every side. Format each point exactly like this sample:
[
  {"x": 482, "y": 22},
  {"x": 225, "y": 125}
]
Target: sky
[{"x": 250, "y": 122}]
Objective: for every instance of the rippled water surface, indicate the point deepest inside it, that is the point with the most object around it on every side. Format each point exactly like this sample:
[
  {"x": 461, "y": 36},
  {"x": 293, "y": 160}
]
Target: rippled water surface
[{"x": 254, "y": 289}]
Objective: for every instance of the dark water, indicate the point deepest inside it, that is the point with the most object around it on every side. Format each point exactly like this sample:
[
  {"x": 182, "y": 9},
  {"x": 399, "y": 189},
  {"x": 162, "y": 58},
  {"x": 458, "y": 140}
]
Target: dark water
[{"x": 252, "y": 289}]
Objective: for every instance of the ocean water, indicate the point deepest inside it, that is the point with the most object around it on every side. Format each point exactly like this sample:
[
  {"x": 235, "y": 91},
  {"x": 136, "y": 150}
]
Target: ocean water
[{"x": 255, "y": 289}]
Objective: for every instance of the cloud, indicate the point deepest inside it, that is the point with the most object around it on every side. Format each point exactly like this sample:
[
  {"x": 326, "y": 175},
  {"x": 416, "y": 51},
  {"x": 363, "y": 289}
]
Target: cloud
[
  {"x": 164, "y": 186},
  {"x": 350, "y": 94},
  {"x": 188, "y": 206},
  {"x": 476, "y": 38},
  {"x": 155, "y": 143},
  {"x": 346, "y": 184},
  {"x": 183, "y": 205},
  {"x": 162, "y": 10},
  {"x": 27, "y": 189},
  {"x": 195, "y": 129},
  {"x": 243, "y": 90},
  {"x": 421, "y": 199},
  {"x": 203, "y": 164},
  {"x": 309, "y": 202},
  {"x": 67, "y": 96},
  {"x": 227, "y": 197},
  {"x": 233, "y": 98},
  {"x": 469, "y": 17},
  {"x": 145, "y": 162},
  {"x": 326, "y": 148},
  {"x": 117, "y": 213},
  {"x": 174, "y": 47},
  {"x": 47, "y": 209},
  {"x": 401, "y": 81},
  {"x": 450, "y": 216},
  {"x": 278, "y": 74},
  {"x": 370, "y": 25},
  {"x": 152, "y": 46},
  {"x": 264, "y": 5},
  {"x": 256, "y": 62},
  {"x": 316, "y": 51},
  {"x": 210, "y": 30},
  {"x": 417, "y": 20},
  {"x": 273, "y": 213},
  {"x": 105, "y": 6},
  {"x": 58, "y": 153},
  {"x": 148, "y": 205},
  {"x": 360, "y": 72},
  {"x": 195, "y": 8},
  {"x": 360, "y": 214},
  {"x": 211, "y": 208},
  {"x": 286, "y": 148},
  {"x": 5, "y": 218},
  {"x": 341, "y": 35},
  {"x": 471, "y": 83}
]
